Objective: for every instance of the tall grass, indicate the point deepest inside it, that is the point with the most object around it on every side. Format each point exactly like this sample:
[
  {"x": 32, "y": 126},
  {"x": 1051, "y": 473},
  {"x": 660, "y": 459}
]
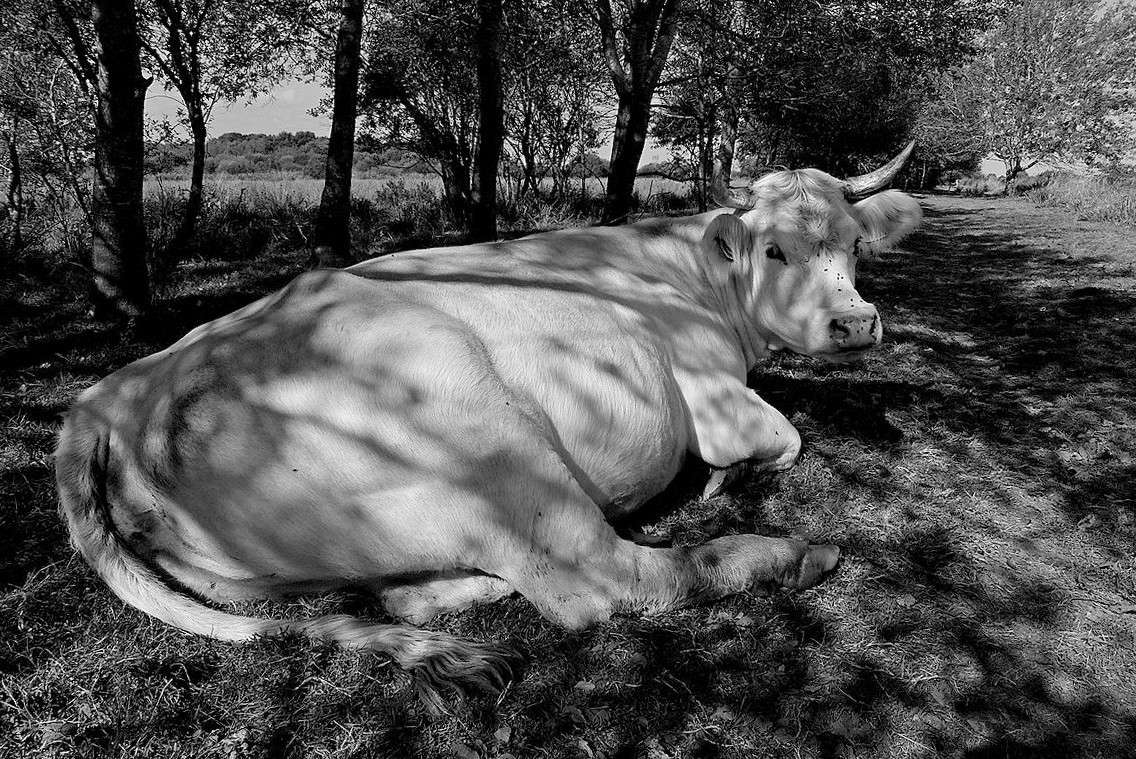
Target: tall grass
[
  {"x": 245, "y": 217},
  {"x": 1094, "y": 198}
]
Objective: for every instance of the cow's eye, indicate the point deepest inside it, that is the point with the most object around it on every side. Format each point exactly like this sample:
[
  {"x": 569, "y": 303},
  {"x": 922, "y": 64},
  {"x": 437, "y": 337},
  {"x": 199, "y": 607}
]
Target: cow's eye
[
  {"x": 775, "y": 253},
  {"x": 856, "y": 247}
]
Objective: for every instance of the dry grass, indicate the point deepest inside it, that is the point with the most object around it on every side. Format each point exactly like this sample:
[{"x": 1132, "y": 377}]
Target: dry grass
[
  {"x": 1093, "y": 198},
  {"x": 289, "y": 190},
  {"x": 978, "y": 470}
]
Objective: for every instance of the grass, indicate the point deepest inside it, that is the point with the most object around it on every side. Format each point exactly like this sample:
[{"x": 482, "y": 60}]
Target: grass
[
  {"x": 1100, "y": 197},
  {"x": 979, "y": 470},
  {"x": 290, "y": 190},
  {"x": 1094, "y": 198}
]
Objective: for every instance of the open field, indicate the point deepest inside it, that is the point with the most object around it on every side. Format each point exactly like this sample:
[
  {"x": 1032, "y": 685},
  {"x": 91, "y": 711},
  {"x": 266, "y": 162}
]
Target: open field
[
  {"x": 308, "y": 190},
  {"x": 979, "y": 471}
]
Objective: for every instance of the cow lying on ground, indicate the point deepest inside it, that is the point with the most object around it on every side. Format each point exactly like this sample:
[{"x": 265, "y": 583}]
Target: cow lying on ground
[{"x": 451, "y": 426}]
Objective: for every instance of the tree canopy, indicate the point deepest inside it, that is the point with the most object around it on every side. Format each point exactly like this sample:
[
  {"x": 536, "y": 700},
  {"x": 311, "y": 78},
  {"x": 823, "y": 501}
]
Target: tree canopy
[{"x": 1051, "y": 81}]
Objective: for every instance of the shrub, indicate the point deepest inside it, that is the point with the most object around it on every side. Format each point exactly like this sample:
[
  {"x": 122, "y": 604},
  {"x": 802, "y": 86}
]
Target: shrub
[
  {"x": 231, "y": 227},
  {"x": 1094, "y": 198},
  {"x": 1025, "y": 184},
  {"x": 667, "y": 202},
  {"x": 974, "y": 185},
  {"x": 402, "y": 211}
]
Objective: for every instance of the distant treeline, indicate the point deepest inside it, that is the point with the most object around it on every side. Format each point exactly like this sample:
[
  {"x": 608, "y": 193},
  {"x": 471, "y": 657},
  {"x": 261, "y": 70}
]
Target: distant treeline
[{"x": 300, "y": 153}]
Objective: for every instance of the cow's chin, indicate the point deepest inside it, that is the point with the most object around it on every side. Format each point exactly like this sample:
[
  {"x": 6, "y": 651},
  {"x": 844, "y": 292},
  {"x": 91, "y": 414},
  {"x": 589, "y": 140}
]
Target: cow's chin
[
  {"x": 822, "y": 350},
  {"x": 845, "y": 357}
]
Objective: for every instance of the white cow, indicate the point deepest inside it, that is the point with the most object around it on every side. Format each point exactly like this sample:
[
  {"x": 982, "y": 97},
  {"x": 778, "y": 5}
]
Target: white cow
[{"x": 450, "y": 426}]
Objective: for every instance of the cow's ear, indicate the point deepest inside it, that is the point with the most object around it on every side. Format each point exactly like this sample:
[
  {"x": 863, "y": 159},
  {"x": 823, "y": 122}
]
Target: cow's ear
[
  {"x": 885, "y": 218},
  {"x": 728, "y": 237}
]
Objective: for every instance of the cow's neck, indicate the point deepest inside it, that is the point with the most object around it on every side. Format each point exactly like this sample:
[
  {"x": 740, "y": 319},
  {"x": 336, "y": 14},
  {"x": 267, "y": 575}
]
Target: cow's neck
[{"x": 732, "y": 298}]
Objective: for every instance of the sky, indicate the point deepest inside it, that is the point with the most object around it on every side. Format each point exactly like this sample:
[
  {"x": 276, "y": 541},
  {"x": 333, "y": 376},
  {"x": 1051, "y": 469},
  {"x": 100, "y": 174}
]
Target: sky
[{"x": 285, "y": 109}]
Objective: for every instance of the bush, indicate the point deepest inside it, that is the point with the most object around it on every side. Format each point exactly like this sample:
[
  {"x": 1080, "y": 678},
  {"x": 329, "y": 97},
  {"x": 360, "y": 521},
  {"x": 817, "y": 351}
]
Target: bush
[
  {"x": 1025, "y": 184},
  {"x": 231, "y": 227},
  {"x": 972, "y": 186},
  {"x": 1094, "y": 198},
  {"x": 667, "y": 202},
  {"x": 402, "y": 211}
]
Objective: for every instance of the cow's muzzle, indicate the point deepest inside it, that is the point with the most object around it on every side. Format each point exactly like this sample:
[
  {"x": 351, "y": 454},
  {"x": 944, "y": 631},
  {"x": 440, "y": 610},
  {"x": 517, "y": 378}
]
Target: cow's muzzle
[{"x": 856, "y": 330}]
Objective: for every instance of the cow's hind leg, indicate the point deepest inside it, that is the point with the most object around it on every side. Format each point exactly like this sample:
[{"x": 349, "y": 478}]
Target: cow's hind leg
[
  {"x": 577, "y": 571},
  {"x": 587, "y": 589},
  {"x": 419, "y": 602}
]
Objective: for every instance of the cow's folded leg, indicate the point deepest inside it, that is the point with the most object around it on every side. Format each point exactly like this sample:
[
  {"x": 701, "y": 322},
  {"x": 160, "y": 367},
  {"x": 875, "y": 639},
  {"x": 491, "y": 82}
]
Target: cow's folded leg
[
  {"x": 556, "y": 548},
  {"x": 419, "y": 602},
  {"x": 590, "y": 573},
  {"x": 733, "y": 424},
  {"x": 724, "y": 566}
]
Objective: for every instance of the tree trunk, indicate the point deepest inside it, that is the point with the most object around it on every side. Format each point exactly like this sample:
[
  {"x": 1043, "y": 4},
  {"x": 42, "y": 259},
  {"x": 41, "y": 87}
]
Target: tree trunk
[
  {"x": 196, "y": 181},
  {"x": 15, "y": 194},
  {"x": 456, "y": 187},
  {"x": 635, "y": 64},
  {"x": 1013, "y": 168},
  {"x": 491, "y": 130},
  {"x": 724, "y": 159},
  {"x": 705, "y": 166},
  {"x": 332, "y": 236},
  {"x": 630, "y": 135},
  {"x": 118, "y": 248}
]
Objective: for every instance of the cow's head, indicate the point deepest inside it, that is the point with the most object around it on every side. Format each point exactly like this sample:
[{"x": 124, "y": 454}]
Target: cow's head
[{"x": 786, "y": 257}]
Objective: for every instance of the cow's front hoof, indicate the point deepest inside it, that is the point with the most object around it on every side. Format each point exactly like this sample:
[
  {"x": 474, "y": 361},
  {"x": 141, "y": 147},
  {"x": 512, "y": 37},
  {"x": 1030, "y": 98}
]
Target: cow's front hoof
[
  {"x": 816, "y": 562},
  {"x": 720, "y": 479}
]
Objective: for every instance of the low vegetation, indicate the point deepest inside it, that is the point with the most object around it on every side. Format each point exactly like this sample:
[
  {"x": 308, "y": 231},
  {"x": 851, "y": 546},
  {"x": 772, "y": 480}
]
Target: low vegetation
[{"x": 1094, "y": 198}]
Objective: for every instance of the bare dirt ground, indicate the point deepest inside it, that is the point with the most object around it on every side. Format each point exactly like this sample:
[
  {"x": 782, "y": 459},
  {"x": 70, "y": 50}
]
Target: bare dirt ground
[{"x": 978, "y": 471}]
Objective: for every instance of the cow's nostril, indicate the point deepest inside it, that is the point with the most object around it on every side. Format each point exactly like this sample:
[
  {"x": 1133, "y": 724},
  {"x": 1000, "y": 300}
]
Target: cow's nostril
[
  {"x": 855, "y": 331},
  {"x": 840, "y": 328}
]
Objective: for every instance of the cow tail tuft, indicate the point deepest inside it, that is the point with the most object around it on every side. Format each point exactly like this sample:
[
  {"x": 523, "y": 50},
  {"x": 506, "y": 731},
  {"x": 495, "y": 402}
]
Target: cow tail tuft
[
  {"x": 442, "y": 664},
  {"x": 488, "y": 670}
]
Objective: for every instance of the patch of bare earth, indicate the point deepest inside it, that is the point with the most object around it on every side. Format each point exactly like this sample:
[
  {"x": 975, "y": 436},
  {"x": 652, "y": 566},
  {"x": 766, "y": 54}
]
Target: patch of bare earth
[{"x": 978, "y": 470}]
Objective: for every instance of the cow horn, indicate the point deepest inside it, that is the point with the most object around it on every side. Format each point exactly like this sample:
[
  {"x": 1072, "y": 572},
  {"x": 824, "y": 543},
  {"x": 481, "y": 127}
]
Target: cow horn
[
  {"x": 866, "y": 184},
  {"x": 728, "y": 198}
]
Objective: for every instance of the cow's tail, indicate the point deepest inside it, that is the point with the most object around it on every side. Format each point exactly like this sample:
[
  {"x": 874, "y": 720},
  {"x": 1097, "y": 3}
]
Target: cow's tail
[{"x": 440, "y": 662}]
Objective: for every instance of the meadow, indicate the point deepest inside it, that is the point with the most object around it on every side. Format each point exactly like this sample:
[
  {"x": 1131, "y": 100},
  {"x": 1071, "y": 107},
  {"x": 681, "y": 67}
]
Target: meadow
[
  {"x": 978, "y": 470},
  {"x": 287, "y": 188}
]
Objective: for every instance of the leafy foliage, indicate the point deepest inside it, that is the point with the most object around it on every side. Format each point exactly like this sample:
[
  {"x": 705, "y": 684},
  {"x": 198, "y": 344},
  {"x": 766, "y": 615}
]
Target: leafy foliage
[
  {"x": 1053, "y": 81},
  {"x": 554, "y": 97},
  {"x": 420, "y": 91},
  {"x": 420, "y": 88},
  {"x": 833, "y": 85},
  {"x": 212, "y": 51},
  {"x": 46, "y": 121}
]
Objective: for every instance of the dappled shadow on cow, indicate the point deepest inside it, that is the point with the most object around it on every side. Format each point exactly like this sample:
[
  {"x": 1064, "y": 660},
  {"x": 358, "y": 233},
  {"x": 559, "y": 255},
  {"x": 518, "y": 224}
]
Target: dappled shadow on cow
[{"x": 389, "y": 422}]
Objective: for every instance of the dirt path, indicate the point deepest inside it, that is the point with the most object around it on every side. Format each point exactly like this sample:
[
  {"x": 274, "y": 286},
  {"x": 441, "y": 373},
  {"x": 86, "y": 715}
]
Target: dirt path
[{"x": 978, "y": 469}]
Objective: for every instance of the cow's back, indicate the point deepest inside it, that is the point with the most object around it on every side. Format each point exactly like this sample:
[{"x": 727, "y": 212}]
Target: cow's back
[
  {"x": 270, "y": 440},
  {"x": 591, "y": 345}
]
